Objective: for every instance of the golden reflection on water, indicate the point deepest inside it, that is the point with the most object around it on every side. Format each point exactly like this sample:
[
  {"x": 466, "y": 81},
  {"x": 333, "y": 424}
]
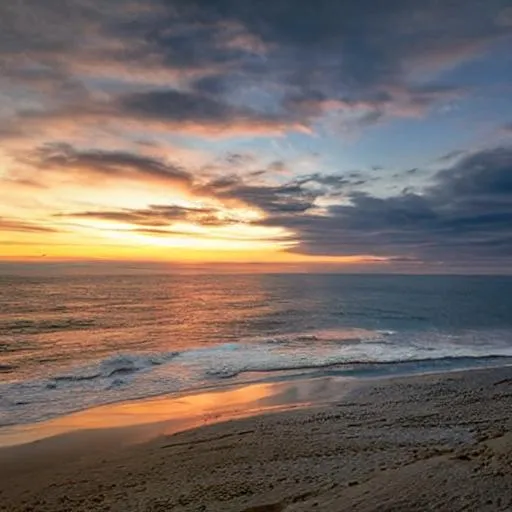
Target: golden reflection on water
[{"x": 169, "y": 414}]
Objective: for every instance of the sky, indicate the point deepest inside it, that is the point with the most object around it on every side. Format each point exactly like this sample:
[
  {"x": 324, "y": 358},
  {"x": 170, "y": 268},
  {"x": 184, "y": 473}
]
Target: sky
[{"x": 356, "y": 135}]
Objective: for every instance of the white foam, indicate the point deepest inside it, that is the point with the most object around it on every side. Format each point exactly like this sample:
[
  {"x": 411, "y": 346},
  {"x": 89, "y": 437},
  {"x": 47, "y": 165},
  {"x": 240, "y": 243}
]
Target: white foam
[{"x": 133, "y": 375}]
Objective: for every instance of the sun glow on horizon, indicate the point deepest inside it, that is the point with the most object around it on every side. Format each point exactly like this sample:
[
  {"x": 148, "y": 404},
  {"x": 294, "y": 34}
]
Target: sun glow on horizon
[{"x": 232, "y": 234}]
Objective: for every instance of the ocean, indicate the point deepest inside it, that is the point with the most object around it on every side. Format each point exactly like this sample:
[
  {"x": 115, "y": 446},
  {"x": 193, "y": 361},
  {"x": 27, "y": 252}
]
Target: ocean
[{"x": 68, "y": 343}]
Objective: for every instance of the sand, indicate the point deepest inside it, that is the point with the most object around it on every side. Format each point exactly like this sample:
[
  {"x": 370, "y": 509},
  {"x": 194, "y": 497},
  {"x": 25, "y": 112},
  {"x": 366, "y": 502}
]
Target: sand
[{"x": 437, "y": 442}]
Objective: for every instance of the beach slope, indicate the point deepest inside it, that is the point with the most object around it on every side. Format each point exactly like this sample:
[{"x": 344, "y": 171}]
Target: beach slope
[{"x": 436, "y": 442}]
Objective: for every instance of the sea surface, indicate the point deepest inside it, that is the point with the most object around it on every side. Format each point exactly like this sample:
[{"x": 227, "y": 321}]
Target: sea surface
[{"x": 67, "y": 343}]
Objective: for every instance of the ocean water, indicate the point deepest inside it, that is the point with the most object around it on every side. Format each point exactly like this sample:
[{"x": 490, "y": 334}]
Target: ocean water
[{"x": 67, "y": 343}]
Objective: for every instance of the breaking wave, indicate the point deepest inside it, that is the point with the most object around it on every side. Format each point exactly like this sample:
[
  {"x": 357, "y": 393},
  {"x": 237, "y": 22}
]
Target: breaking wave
[
  {"x": 114, "y": 366},
  {"x": 347, "y": 352}
]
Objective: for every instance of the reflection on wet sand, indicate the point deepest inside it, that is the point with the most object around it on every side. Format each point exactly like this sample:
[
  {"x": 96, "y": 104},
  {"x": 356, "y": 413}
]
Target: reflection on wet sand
[{"x": 141, "y": 420}]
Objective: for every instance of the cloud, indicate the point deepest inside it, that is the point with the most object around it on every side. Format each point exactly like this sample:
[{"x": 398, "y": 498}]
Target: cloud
[
  {"x": 170, "y": 221},
  {"x": 296, "y": 196},
  {"x": 463, "y": 216},
  {"x": 160, "y": 112},
  {"x": 189, "y": 111},
  {"x": 230, "y": 193},
  {"x": 385, "y": 101},
  {"x": 237, "y": 67},
  {"x": 357, "y": 56},
  {"x": 451, "y": 155},
  {"x": 81, "y": 70},
  {"x": 466, "y": 214},
  {"x": 209, "y": 235},
  {"x": 227, "y": 201},
  {"x": 23, "y": 226},
  {"x": 156, "y": 216},
  {"x": 52, "y": 164},
  {"x": 108, "y": 164}
]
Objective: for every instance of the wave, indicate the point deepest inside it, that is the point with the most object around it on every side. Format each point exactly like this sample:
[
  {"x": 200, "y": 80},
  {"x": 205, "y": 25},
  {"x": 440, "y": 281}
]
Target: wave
[
  {"x": 332, "y": 348},
  {"x": 120, "y": 364},
  {"x": 366, "y": 365},
  {"x": 342, "y": 352},
  {"x": 296, "y": 351},
  {"x": 333, "y": 335}
]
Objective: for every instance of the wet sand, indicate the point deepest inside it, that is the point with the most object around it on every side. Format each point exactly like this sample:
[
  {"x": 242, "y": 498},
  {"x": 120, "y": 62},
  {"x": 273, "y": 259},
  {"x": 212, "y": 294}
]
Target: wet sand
[{"x": 437, "y": 442}]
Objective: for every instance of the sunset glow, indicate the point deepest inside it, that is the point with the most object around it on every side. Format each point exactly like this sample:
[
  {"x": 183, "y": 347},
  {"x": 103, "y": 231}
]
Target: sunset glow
[{"x": 346, "y": 135}]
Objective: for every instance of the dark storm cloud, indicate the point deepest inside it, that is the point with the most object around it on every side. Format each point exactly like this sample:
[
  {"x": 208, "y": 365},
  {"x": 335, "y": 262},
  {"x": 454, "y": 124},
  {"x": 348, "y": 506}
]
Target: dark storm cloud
[
  {"x": 177, "y": 107},
  {"x": 479, "y": 180},
  {"x": 284, "y": 199},
  {"x": 26, "y": 25},
  {"x": 365, "y": 39},
  {"x": 465, "y": 214},
  {"x": 305, "y": 57},
  {"x": 296, "y": 196},
  {"x": 357, "y": 52},
  {"x": 113, "y": 164}
]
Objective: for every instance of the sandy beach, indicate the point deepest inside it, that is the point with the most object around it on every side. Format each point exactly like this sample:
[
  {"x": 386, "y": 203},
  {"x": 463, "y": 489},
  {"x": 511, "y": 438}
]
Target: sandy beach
[{"x": 434, "y": 442}]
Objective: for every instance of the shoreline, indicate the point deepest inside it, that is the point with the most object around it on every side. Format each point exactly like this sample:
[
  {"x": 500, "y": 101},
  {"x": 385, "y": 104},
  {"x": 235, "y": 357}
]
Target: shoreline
[
  {"x": 276, "y": 379},
  {"x": 339, "y": 443},
  {"x": 170, "y": 413}
]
